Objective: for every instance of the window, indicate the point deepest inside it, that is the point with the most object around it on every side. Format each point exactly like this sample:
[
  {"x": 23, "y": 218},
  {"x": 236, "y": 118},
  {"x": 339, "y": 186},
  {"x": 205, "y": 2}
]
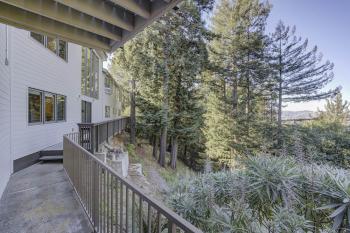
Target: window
[
  {"x": 85, "y": 112},
  {"x": 52, "y": 44},
  {"x": 107, "y": 111},
  {"x": 57, "y": 46},
  {"x": 45, "y": 107},
  {"x": 49, "y": 107},
  {"x": 62, "y": 49},
  {"x": 38, "y": 37},
  {"x": 61, "y": 108},
  {"x": 34, "y": 106},
  {"x": 108, "y": 82},
  {"x": 89, "y": 73}
]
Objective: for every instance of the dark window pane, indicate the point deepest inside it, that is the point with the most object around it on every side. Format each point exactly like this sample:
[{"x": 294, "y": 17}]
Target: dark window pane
[
  {"x": 38, "y": 37},
  {"x": 83, "y": 71},
  {"x": 62, "y": 49},
  {"x": 61, "y": 108},
  {"x": 90, "y": 73},
  {"x": 107, "y": 111},
  {"x": 107, "y": 82},
  {"x": 34, "y": 106},
  {"x": 85, "y": 112},
  {"x": 49, "y": 107},
  {"x": 52, "y": 44},
  {"x": 94, "y": 73}
]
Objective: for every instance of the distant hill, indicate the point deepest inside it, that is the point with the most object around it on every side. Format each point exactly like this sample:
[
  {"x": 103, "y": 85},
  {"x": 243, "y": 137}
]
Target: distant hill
[{"x": 297, "y": 115}]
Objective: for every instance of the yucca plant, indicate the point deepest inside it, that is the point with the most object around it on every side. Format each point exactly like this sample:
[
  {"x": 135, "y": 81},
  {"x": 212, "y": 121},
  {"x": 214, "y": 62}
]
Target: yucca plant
[
  {"x": 272, "y": 182},
  {"x": 333, "y": 185},
  {"x": 237, "y": 218},
  {"x": 194, "y": 200},
  {"x": 286, "y": 220}
]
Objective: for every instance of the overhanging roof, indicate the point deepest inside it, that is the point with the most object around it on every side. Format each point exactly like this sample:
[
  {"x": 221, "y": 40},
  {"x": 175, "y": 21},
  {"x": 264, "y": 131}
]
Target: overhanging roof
[{"x": 98, "y": 24}]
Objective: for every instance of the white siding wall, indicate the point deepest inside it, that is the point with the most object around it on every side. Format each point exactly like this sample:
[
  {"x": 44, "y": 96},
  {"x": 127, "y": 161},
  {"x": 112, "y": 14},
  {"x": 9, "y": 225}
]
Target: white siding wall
[
  {"x": 35, "y": 66},
  {"x": 5, "y": 117},
  {"x": 111, "y": 101}
]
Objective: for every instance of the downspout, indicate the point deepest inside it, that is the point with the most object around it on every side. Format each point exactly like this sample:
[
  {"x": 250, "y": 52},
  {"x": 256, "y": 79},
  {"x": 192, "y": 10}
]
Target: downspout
[
  {"x": 6, "y": 46},
  {"x": 7, "y": 63}
]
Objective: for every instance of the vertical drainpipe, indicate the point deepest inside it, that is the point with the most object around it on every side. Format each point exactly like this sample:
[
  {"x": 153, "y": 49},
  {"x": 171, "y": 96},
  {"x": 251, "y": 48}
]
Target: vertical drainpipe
[
  {"x": 7, "y": 63},
  {"x": 6, "y": 46}
]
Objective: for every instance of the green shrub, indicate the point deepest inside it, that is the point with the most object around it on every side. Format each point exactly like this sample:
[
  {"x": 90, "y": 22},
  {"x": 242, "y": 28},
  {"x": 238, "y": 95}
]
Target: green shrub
[{"x": 267, "y": 194}]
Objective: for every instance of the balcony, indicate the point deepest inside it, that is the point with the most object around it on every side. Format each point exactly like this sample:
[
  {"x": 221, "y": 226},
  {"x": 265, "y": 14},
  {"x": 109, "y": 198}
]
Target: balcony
[{"x": 46, "y": 197}]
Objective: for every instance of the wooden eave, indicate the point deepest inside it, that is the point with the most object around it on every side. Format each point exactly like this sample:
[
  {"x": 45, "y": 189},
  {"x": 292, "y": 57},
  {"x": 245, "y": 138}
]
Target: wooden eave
[{"x": 98, "y": 24}]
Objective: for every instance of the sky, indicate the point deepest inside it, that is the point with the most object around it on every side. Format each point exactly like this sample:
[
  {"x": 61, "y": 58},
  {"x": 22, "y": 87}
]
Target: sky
[{"x": 326, "y": 23}]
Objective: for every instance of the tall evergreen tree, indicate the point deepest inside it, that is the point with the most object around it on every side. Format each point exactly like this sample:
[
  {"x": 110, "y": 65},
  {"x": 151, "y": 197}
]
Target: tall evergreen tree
[
  {"x": 166, "y": 61},
  {"x": 300, "y": 74},
  {"x": 239, "y": 69}
]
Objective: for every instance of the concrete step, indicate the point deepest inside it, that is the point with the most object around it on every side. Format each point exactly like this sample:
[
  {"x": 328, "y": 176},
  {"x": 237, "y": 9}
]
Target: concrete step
[
  {"x": 51, "y": 152},
  {"x": 51, "y": 158}
]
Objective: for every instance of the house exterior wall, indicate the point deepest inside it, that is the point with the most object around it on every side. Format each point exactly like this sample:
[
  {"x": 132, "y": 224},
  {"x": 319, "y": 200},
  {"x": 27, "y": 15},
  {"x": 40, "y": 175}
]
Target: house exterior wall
[
  {"x": 97, "y": 106},
  {"x": 34, "y": 66},
  {"x": 5, "y": 116},
  {"x": 31, "y": 65},
  {"x": 111, "y": 98}
]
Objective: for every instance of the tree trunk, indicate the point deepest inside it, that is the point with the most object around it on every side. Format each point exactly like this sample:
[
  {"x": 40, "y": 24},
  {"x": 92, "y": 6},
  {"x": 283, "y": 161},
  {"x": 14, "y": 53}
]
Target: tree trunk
[
  {"x": 185, "y": 153},
  {"x": 235, "y": 97},
  {"x": 174, "y": 148},
  {"x": 164, "y": 128},
  {"x": 248, "y": 88},
  {"x": 154, "y": 146},
  {"x": 271, "y": 109},
  {"x": 279, "y": 133},
  {"x": 280, "y": 99},
  {"x": 132, "y": 113}
]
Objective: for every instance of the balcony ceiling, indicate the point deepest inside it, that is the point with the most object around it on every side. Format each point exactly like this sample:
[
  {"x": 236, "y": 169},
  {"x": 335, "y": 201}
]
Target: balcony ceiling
[{"x": 98, "y": 24}]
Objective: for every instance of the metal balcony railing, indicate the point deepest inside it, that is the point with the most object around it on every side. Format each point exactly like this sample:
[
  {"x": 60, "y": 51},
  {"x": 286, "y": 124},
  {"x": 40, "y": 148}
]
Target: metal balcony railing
[
  {"x": 111, "y": 202},
  {"x": 92, "y": 135}
]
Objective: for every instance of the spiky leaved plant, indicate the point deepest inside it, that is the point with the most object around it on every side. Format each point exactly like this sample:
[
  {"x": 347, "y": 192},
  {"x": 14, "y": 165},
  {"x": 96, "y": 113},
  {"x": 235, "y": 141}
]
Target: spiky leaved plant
[
  {"x": 288, "y": 221},
  {"x": 236, "y": 218},
  {"x": 271, "y": 182},
  {"x": 333, "y": 185}
]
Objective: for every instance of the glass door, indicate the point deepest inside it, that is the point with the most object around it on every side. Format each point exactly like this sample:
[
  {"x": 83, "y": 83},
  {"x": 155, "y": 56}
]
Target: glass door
[{"x": 85, "y": 112}]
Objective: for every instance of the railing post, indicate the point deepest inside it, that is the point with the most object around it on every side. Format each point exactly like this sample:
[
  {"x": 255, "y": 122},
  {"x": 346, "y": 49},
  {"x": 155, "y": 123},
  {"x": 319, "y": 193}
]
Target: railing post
[
  {"x": 92, "y": 138},
  {"x": 97, "y": 135},
  {"x": 107, "y": 126},
  {"x": 107, "y": 205}
]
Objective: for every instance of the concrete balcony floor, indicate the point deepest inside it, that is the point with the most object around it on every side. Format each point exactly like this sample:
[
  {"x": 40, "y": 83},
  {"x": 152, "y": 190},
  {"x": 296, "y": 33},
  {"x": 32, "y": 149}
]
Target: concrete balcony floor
[{"x": 41, "y": 199}]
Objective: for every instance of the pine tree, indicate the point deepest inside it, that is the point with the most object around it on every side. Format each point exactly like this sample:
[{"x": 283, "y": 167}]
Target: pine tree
[
  {"x": 336, "y": 111},
  {"x": 240, "y": 70},
  {"x": 166, "y": 61},
  {"x": 299, "y": 73}
]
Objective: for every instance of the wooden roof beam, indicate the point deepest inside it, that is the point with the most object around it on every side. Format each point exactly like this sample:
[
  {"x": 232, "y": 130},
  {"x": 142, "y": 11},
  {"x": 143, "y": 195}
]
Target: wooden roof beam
[
  {"x": 64, "y": 14},
  {"x": 158, "y": 7},
  {"x": 139, "y": 7},
  {"x": 29, "y": 21},
  {"x": 103, "y": 11}
]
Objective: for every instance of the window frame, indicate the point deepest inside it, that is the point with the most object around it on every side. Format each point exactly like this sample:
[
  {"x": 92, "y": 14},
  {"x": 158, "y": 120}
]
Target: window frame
[
  {"x": 86, "y": 111},
  {"x": 90, "y": 65},
  {"x": 54, "y": 107},
  {"x": 109, "y": 111},
  {"x": 57, "y": 41},
  {"x": 43, "y": 107},
  {"x": 65, "y": 108}
]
